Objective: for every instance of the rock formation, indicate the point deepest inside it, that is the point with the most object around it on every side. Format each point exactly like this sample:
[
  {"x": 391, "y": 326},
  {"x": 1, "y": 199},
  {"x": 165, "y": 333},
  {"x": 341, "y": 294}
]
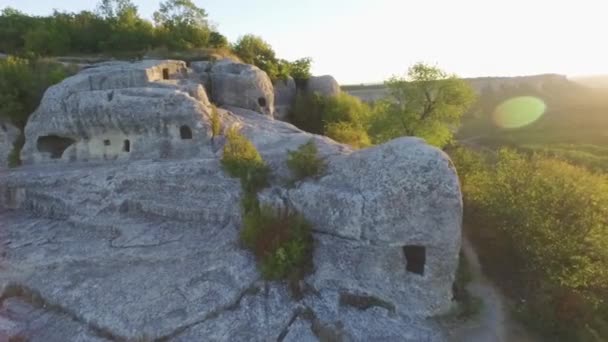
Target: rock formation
[
  {"x": 323, "y": 85},
  {"x": 111, "y": 244},
  {"x": 285, "y": 92}
]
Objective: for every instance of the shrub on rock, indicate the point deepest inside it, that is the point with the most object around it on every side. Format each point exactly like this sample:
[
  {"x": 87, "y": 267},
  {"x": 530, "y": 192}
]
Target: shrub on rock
[
  {"x": 281, "y": 242},
  {"x": 304, "y": 162},
  {"x": 242, "y": 160}
]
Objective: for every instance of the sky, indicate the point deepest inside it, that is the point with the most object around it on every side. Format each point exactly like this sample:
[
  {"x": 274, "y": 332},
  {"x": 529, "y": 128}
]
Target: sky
[{"x": 367, "y": 41}]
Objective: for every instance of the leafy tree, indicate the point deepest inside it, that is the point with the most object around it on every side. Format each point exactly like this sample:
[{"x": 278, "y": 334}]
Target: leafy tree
[
  {"x": 22, "y": 84},
  {"x": 13, "y": 25},
  {"x": 254, "y": 50},
  {"x": 182, "y": 25},
  {"x": 300, "y": 69},
  {"x": 217, "y": 40},
  {"x": 427, "y": 103}
]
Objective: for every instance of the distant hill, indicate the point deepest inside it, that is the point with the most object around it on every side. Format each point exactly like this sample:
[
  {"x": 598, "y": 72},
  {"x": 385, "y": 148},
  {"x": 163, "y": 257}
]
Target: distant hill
[
  {"x": 539, "y": 83},
  {"x": 594, "y": 81}
]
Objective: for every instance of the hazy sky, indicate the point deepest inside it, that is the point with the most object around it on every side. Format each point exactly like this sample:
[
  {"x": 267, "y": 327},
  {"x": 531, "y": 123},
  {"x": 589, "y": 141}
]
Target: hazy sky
[{"x": 369, "y": 40}]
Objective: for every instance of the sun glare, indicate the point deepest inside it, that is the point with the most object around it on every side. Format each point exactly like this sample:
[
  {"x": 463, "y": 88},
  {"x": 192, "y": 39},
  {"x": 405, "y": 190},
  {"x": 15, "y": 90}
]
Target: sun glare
[{"x": 519, "y": 112}]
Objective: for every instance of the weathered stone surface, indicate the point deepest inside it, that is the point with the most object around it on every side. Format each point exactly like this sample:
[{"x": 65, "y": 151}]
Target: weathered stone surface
[
  {"x": 146, "y": 246},
  {"x": 23, "y": 321},
  {"x": 284, "y": 96},
  {"x": 323, "y": 85},
  {"x": 8, "y": 136},
  {"x": 241, "y": 85}
]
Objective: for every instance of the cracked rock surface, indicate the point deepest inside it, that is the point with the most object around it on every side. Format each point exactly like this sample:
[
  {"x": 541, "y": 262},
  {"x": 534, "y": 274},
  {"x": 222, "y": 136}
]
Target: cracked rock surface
[{"x": 148, "y": 250}]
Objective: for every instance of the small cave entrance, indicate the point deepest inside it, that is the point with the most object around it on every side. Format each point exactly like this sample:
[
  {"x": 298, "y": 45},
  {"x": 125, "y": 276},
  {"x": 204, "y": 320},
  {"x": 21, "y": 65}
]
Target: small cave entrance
[
  {"x": 53, "y": 144},
  {"x": 107, "y": 142},
  {"x": 415, "y": 258},
  {"x": 126, "y": 146},
  {"x": 262, "y": 102},
  {"x": 185, "y": 132},
  {"x": 165, "y": 73}
]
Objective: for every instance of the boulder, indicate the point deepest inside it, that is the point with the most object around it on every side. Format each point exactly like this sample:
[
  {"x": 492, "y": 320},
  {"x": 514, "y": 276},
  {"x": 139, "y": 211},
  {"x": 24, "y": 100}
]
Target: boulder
[
  {"x": 143, "y": 247},
  {"x": 323, "y": 85},
  {"x": 241, "y": 85},
  {"x": 8, "y": 135},
  {"x": 284, "y": 96}
]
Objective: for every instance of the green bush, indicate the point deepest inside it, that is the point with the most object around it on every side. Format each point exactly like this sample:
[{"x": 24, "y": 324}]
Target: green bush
[
  {"x": 242, "y": 160},
  {"x": 348, "y": 133},
  {"x": 540, "y": 226},
  {"x": 281, "y": 242},
  {"x": 343, "y": 118},
  {"x": 304, "y": 162}
]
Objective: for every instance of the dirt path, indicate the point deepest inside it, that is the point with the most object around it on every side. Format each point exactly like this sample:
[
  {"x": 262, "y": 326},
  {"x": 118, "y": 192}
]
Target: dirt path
[{"x": 493, "y": 323}]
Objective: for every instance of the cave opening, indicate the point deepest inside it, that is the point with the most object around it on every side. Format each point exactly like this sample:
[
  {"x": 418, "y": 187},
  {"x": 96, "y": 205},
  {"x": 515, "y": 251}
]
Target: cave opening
[
  {"x": 53, "y": 144},
  {"x": 415, "y": 258},
  {"x": 126, "y": 146},
  {"x": 185, "y": 132},
  {"x": 262, "y": 102},
  {"x": 165, "y": 73}
]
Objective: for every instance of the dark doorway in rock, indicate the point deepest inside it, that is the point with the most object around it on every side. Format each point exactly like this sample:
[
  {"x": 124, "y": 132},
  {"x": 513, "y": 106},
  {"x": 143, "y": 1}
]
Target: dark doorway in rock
[
  {"x": 415, "y": 258},
  {"x": 185, "y": 132},
  {"x": 107, "y": 142},
  {"x": 53, "y": 144},
  {"x": 165, "y": 73},
  {"x": 262, "y": 102},
  {"x": 126, "y": 146}
]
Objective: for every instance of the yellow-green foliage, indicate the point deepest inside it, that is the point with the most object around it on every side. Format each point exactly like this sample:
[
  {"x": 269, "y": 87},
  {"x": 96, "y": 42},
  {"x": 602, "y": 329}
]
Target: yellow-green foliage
[
  {"x": 216, "y": 123},
  {"x": 348, "y": 133},
  {"x": 428, "y": 103},
  {"x": 541, "y": 228},
  {"x": 242, "y": 160},
  {"x": 344, "y": 118},
  {"x": 304, "y": 162},
  {"x": 281, "y": 242}
]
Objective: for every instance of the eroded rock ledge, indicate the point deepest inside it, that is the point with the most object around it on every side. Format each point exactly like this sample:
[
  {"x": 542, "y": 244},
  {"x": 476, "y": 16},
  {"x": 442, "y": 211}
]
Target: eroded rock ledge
[{"x": 119, "y": 244}]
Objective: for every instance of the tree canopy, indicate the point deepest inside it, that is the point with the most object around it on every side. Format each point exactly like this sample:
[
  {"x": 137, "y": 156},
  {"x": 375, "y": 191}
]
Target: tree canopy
[{"x": 427, "y": 103}]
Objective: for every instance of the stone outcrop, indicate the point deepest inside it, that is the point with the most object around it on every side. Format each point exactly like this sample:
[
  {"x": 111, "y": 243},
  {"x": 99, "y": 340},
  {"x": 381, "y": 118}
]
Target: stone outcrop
[
  {"x": 8, "y": 136},
  {"x": 145, "y": 246},
  {"x": 236, "y": 84},
  {"x": 323, "y": 85},
  {"x": 284, "y": 96},
  {"x": 120, "y": 110}
]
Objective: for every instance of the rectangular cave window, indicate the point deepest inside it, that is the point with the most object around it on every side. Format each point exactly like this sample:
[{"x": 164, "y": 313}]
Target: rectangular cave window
[
  {"x": 106, "y": 142},
  {"x": 165, "y": 73},
  {"x": 415, "y": 257},
  {"x": 127, "y": 146}
]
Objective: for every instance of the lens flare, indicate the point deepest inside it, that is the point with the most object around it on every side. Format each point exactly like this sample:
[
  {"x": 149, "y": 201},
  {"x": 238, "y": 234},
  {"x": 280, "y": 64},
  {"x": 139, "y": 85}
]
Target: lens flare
[{"x": 519, "y": 112}]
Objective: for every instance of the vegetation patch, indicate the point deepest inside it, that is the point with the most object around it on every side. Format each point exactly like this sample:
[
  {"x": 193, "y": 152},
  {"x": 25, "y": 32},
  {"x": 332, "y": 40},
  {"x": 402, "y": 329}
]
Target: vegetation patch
[
  {"x": 242, "y": 160},
  {"x": 216, "y": 122},
  {"x": 305, "y": 162},
  {"x": 349, "y": 134},
  {"x": 281, "y": 242},
  {"x": 540, "y": 226},
  {"x": 345, "y": 117}
]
